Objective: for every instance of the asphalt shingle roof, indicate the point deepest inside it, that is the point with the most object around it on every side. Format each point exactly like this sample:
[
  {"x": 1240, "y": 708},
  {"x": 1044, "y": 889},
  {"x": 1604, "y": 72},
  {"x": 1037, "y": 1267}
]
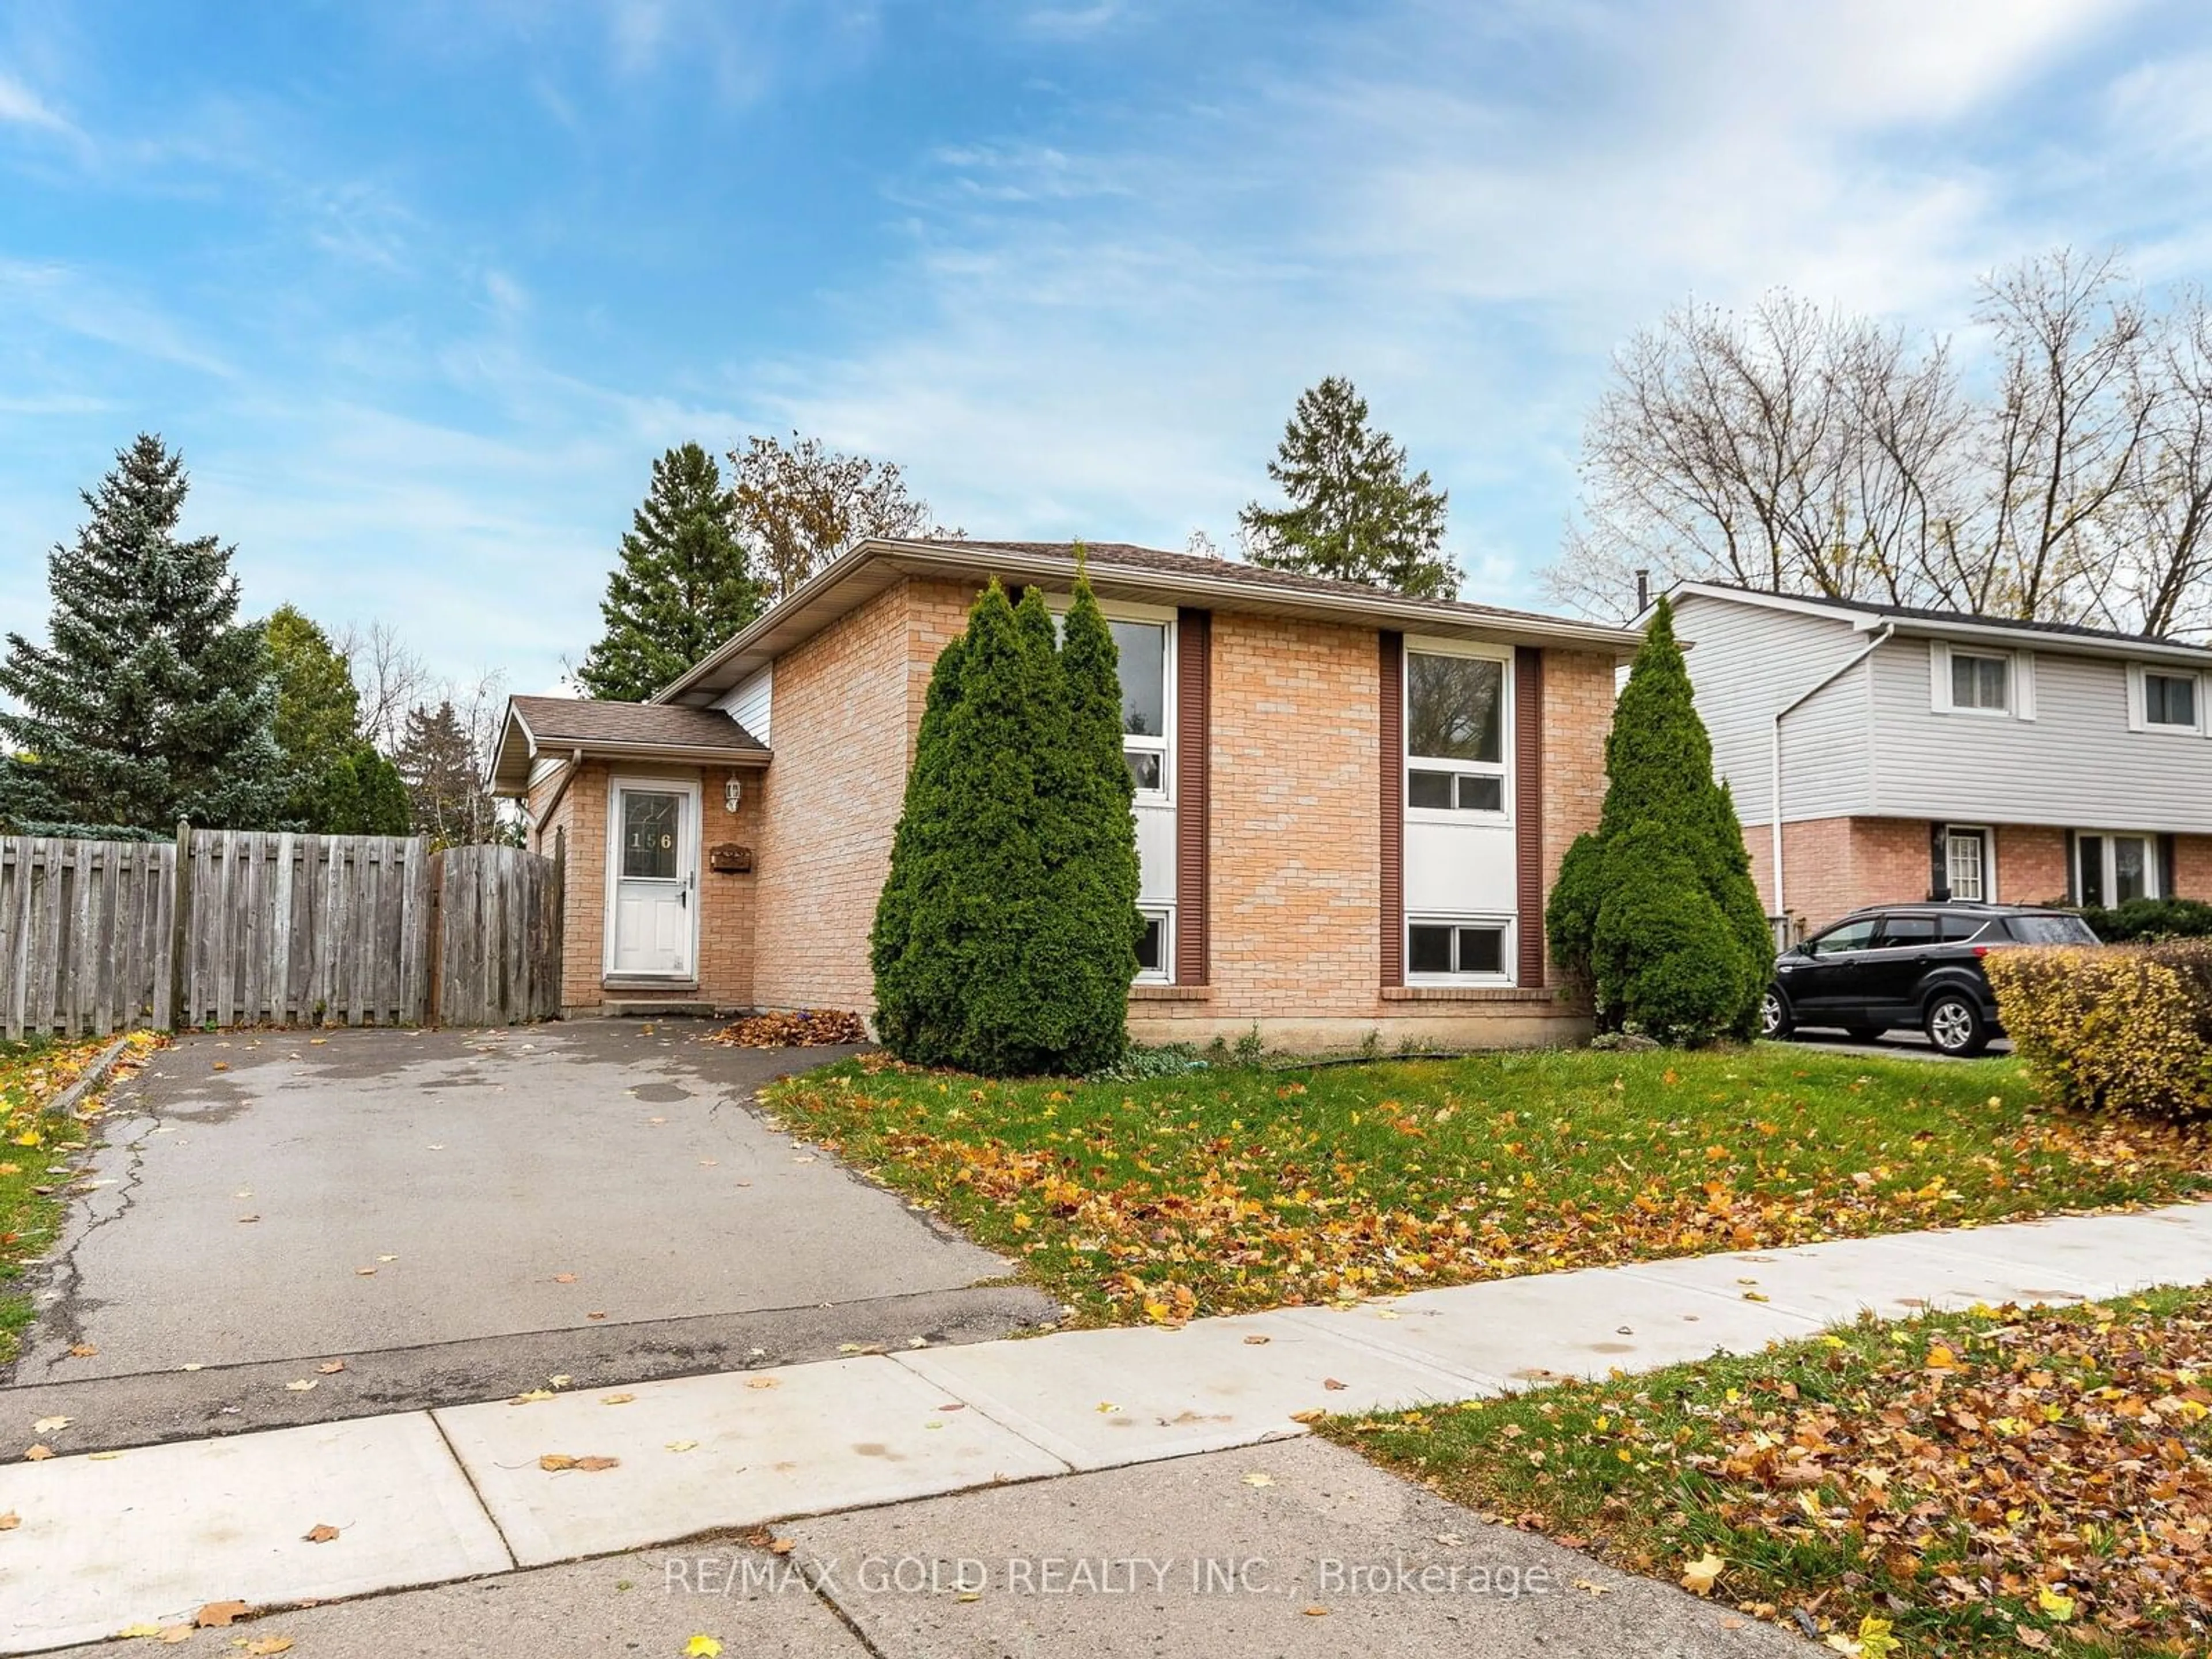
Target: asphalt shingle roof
[{"x": 556, "y": 720}]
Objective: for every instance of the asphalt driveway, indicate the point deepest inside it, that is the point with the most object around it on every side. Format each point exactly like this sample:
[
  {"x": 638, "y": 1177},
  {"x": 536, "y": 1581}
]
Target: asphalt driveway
[{"x": 456, "y": 1214}]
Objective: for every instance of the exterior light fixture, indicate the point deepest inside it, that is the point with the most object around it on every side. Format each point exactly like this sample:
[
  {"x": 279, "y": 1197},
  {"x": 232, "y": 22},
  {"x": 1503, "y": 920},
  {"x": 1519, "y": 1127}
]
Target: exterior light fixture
[{"x": 734, "y": 791}]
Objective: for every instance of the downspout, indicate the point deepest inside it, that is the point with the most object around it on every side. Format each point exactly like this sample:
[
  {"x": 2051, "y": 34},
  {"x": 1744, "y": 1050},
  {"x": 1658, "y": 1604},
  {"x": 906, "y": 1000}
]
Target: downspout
[{"x": 1774, "y": 765}]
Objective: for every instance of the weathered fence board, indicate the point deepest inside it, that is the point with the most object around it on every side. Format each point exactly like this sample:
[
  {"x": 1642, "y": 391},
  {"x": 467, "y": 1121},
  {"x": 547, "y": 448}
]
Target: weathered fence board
[
  {"x": 87, "y": 934},
  {"x": 250, "y": 927},
  {"x": 283, "y": 930},
  {"x": 498, "y": 936}
]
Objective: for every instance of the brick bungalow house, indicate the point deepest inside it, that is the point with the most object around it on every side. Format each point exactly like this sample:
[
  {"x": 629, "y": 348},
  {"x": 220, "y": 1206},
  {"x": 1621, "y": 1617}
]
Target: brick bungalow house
[
  {"x": 1932, "y": 754},
  {"x": 1351, "y": 805}
]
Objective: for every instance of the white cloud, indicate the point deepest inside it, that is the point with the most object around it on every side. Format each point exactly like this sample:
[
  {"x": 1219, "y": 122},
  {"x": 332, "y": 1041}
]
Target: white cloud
[{"x": 19, "y": 105}]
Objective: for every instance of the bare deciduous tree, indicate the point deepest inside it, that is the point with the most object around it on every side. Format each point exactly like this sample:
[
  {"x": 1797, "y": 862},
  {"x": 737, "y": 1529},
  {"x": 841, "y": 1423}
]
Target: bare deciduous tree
[
  {"x": 391, "y": 678},
  {"x": 801, "y": 505},
  {"x": 1820, "y": 453}
]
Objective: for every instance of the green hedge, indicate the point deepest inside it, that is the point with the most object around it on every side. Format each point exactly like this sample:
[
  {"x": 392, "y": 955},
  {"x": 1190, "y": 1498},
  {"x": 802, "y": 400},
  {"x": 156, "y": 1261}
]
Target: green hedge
[
  {"x": 2145, "y": 921},
  {"x": 2117, "y": 1027}
]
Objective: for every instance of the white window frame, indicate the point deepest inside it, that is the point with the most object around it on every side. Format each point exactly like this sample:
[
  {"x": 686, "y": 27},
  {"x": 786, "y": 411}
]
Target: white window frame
[
  {"x": 1164, "y": 974},
  {"x": 1507, "y": 946},
  {"x": 2154, "y": 864},
  {"x": 1502, "y": 768},
  {"x": 2139, "y": 718},
  {"x": 2020, "y": 681},
  {"x": 1164, "y": 745},
  {"x": 1989, "y": 839}
]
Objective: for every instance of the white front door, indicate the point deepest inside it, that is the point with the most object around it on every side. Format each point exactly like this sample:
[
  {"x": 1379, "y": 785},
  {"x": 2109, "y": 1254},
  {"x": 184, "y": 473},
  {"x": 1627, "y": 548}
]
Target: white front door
[{"x": 655, "y": 870}]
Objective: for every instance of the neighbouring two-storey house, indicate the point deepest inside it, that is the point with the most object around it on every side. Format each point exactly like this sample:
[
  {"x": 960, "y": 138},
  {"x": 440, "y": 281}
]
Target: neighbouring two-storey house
[
  {"x": 1880, "y": 753},
  {"x": 1351, "y": 805}
]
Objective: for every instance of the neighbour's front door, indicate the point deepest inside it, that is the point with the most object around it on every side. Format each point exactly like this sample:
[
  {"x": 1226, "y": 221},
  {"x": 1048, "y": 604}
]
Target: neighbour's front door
[{"x": 651, "y": 931}]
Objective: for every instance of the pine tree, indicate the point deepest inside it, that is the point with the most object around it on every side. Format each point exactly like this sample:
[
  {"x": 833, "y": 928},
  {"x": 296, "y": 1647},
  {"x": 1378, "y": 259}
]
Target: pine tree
[
  {"x": 357, "y": 793},
  {"x": 1353, "y": 513},
  {"x": 152, "y": 702},
  {"x": 1656, "y": 907},
  {"x": 682, "y": 586},
  {"x": 445, "y": 785},
  {"x": 1092, "y": 850}
]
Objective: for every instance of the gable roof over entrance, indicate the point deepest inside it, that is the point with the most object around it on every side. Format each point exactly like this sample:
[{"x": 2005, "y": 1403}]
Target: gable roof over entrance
[{"x": 564, "y": 726}]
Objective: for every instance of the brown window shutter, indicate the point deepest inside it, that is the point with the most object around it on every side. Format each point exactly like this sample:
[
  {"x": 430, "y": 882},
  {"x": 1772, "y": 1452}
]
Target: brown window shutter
[
  {"x": 1528, "y": 810},
  {"x": 1391, "y": 695},
  {"x": 1193, "y": 790}
]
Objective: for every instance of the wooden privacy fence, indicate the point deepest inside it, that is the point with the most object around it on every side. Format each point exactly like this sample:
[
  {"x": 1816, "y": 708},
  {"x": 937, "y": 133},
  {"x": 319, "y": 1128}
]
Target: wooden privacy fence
[
  {"x": 252, "y": 927},
  {"x": 499, "y": 936}
]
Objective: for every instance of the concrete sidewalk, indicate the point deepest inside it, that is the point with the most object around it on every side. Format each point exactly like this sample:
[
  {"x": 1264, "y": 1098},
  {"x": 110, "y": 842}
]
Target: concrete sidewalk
[{"x": 107, "y": 1541}]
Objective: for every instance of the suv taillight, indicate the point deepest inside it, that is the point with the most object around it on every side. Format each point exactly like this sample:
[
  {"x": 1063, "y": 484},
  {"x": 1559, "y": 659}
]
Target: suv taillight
[{"x": 1981, "y": 950}]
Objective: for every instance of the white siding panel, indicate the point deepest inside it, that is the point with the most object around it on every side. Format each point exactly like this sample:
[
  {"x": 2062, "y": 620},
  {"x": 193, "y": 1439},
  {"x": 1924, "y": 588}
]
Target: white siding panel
[
  {"x": 1155, "y": 854},
  {"x": 2075, "y": 764},
  {"x": 748, "y": 702},
  {"x": 1458, "y": 869},
  {"x": 1747, "y": 661}
]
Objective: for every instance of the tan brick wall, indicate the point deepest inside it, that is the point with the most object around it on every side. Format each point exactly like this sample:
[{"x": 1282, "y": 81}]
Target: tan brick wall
[
  {"x": 1296, "y": 900},
  {"x": 844, "y": 701},
  {"x": 1295, "y": 880},
  {"x": 1578, "y": 698},
  {"x": 724, "y": 976}
]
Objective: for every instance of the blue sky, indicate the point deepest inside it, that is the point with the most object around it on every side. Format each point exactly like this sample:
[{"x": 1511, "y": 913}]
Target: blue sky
[{"x": 421, "y": 288}]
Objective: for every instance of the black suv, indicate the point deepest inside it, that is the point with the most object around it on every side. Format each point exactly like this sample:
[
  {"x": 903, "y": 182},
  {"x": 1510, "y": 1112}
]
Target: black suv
[{"x": 1908, "y": 964}]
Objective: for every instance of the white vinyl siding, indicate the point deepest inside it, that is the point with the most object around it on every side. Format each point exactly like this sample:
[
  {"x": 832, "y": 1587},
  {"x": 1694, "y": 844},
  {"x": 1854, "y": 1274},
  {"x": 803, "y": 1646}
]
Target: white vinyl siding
[
  {"x": 749, "y": 703},
  {"x": 1745, "y": 662},
  {"x": 2077, "y": 762}
]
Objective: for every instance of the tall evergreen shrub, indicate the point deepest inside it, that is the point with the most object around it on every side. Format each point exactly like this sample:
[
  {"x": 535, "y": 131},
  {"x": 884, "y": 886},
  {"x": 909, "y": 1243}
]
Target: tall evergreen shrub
[
  {"x": 1657, "y": 907},
  {"x": 1006, "y": 936}
]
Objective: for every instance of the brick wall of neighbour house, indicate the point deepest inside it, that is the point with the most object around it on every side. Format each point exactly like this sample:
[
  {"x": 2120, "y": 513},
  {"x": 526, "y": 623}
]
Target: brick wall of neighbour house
[
  {"x": 1831, "y": 866},
  {"x": 2192, "y": 866},
  {"x": 725, "y": 968},
  {"x": 2031, "y": 863},
  {"x": 845, "y": 702}
]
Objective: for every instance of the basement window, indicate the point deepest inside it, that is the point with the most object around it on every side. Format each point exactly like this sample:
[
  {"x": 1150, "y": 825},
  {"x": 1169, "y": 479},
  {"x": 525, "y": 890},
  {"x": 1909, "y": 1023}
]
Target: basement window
[
  {"x": 1154, "y": 945},
  {"x": 1441, "y": 949}
]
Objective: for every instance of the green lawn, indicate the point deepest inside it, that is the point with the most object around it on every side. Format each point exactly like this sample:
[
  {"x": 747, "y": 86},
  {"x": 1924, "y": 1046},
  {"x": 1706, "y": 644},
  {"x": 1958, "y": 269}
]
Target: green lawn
[
  {"x": 37, "y": 1151},
  {"x": 1236, "y": 1188},
  {"x": 1980, "y": 1484}
]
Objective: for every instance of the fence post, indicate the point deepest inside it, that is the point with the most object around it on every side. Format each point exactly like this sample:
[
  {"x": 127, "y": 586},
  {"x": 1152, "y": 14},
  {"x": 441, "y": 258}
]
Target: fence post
[
  {"x": 181, "y": 928},
  {"x": 434, "y": 1010},
  {"x": 560, "y": 919}
]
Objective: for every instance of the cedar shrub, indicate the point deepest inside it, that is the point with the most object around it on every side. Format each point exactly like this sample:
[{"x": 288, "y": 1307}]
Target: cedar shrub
[
  {"x": 1656, "y": 908},
  {"x": 1005, "y": 938}
]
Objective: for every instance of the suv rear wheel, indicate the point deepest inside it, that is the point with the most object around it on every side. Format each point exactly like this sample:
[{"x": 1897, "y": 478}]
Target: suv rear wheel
[
  {"x": 1954, "y": 1024},
  {"x": 1774, "y": 1020}
]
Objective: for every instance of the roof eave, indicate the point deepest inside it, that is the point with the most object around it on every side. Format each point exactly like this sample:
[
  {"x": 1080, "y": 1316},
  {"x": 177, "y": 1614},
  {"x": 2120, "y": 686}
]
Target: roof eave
[{"x": 1413, "y": 616}]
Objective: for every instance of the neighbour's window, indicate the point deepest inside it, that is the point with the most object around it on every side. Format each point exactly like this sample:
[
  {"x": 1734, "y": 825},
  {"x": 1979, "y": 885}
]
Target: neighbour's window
[
  {"x": 1449, "y": 949},
  {"x": 1144, "y": 652},
  {"x": 1153, "y": 947},
  {"x": 2109, "y": 869},
  {"x": 1979, "y": 682},
  {"x": 2170, "y": 700},
  {"x": 1850, "y": 936},
  {"x": 1455, "y": 732}
]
